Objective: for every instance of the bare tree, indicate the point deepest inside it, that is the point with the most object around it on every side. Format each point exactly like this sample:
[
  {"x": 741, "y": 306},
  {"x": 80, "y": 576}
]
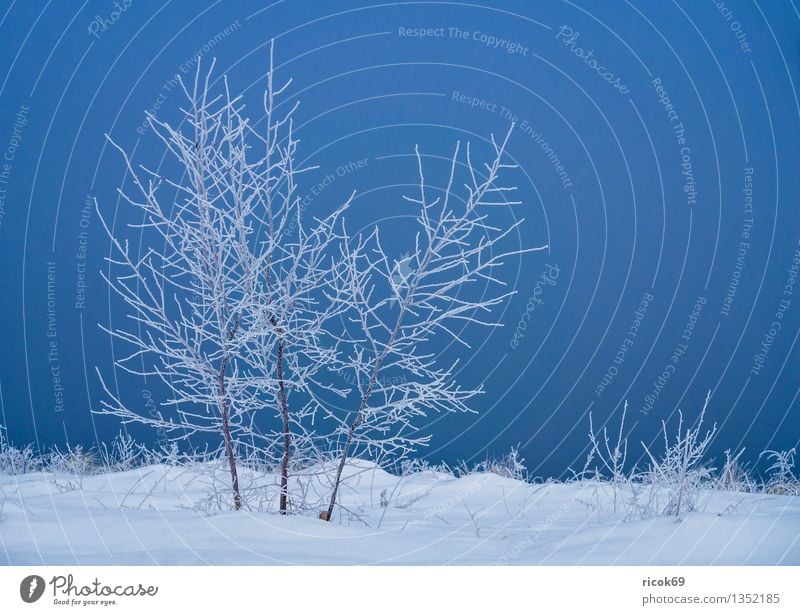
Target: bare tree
[
  {"x": 300, "y": 293},
  {"x": 235, "y": 302},
  {"x": 194, "y": 295},
  {"x": 232, "y": 313},
  {"x": 293, "y": 344},
  {"x": 398, "y": 308}
]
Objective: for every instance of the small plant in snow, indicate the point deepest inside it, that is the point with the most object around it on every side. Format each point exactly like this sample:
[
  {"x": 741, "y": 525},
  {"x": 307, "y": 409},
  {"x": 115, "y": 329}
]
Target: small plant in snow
[
  {"x": 511, "y": 465},
  {"x": 74, "y": 460},
  {"x": 680, "y": 469},
  {"x": 611, "y": 458},
  {"x": 734, "y": 476},
  {"x": 18, "y": 460},
  {"x": 15, "y": 460},
  {"x": 782, "y": 480},
  {"x": 415, "y": 465},
  {"x": 644, "y": 501},
  {"x": 124, "y": 454},
  {"x": 170, "y": 455}
]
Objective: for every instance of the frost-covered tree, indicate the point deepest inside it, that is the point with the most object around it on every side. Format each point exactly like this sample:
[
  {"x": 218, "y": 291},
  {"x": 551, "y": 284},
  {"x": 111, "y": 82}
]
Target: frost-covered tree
[
  {"x": 300, "y": 295},
  {"x": 223, "y": 298},
  {"x": 398, "y": 308},
  {"x": 240, "y": 303}
]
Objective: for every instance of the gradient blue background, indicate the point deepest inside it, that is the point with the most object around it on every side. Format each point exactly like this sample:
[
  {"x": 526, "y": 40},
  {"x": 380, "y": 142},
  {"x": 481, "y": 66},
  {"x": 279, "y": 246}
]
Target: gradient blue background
[{"x": 623, "y": 228}]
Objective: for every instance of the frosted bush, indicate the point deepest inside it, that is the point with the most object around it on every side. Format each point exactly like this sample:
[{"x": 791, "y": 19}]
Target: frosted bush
[
  {"x": 18, "y": 460},
  {"x": 15, "y": 460},
  {"x": 679, "y": 469},
  {"x": 125, "y": 454},
  {"x": 782, "y": 480},
  {"x": 73, "y": 460}
]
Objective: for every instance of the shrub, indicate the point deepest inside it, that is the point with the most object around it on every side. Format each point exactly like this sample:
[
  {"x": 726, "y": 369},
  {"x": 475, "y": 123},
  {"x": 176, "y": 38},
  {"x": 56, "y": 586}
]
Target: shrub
[
  {"x": 782, "y": 480},
  {"x": 680, "y": 468},
  {"x": 73, "y": 460},
  {"x": 15, "y": 460}
]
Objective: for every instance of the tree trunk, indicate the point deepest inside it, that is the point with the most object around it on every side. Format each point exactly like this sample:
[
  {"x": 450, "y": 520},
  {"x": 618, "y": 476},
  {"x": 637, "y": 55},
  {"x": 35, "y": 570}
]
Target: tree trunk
[
  {"x": 226, "y": 434},
  {"x": 287, "y": 434},
  {"x": 337, "y": 479},
  {"x": 360, "y": 416},
  {"x": 340, "y": 468}
]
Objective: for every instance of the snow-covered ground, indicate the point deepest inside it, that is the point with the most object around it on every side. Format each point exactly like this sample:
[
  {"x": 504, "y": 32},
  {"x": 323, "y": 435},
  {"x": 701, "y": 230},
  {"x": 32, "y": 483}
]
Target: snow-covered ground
[{"x": 150, "y": 515}]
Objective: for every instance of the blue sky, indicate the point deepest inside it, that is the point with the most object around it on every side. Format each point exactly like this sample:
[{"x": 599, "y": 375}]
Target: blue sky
[{"x": 657, "y": 152}]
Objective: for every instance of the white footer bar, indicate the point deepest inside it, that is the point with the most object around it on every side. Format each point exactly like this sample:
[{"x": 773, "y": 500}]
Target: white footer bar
[{"x": 401, "y": 590}]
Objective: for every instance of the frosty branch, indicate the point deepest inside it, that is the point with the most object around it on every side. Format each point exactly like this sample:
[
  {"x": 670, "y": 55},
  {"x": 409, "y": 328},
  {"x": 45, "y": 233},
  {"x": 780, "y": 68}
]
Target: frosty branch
[{"x": 398, "y": 308}]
